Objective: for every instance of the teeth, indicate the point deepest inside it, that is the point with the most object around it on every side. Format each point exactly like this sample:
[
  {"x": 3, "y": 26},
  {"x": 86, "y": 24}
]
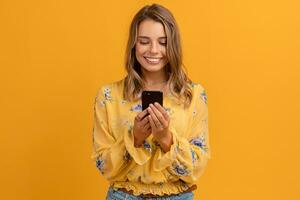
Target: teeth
[{"x": 153, "y": 59}]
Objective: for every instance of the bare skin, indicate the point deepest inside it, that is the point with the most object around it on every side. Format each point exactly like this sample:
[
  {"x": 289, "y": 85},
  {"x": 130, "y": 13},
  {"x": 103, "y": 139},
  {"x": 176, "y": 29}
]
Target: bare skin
[
  {"x": 159, "y": 122},
  {"x": 141, "y": 128}
]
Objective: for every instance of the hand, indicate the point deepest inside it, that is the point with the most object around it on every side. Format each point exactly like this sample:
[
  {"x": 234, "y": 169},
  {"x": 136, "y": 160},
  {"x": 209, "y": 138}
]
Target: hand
[
  {"x": 159, "y": 122},
  {"x": 141, "y": 128}
]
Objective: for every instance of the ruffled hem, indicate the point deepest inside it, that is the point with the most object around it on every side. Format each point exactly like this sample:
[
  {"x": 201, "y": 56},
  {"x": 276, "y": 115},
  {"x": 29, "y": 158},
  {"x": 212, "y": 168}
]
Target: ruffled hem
[{"x": 155, "y": 189}]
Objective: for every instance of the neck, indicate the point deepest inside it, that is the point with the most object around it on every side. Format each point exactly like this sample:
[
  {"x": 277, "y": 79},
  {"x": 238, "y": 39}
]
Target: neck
[
  {"x": 154, "y": 78},
  {"x": 155, "y": 81}
]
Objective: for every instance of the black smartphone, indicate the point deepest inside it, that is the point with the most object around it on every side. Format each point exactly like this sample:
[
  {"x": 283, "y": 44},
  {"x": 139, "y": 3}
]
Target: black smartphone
[{"x": 151, "y": 97}]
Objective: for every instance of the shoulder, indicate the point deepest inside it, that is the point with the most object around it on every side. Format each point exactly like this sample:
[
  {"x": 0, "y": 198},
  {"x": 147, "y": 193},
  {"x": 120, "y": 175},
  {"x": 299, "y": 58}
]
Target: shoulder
[
  {"x": 110, "y": 91},
  {"x": 197, "y": 86},
  {"x": 199, "y": 91}
]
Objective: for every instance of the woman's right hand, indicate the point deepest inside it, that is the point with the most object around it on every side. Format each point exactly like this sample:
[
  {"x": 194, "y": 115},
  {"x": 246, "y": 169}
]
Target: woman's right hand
[{"x": 141, "y": 128}]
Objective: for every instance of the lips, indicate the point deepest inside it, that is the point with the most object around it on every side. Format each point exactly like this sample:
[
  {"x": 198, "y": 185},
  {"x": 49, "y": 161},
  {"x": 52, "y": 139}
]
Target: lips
[{"x": 152, "y": 60}]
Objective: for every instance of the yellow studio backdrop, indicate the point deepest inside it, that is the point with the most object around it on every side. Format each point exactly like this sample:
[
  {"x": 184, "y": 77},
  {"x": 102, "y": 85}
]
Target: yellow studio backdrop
[{"x": 55, "y": 54}]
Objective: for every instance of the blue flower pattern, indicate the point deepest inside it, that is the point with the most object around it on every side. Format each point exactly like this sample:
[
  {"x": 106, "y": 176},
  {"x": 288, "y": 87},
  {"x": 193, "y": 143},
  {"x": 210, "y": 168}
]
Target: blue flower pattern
[
  {"x": 147, "y": 146},
  {"x": 200, "y": 142},
  {"x": 180, "y": 169},
  {"x": 203, "y": 96},
  {"x": 100, "y": 164},
  {"x": 107, "y": 93},
  {"x": 137, "y": 107},
  {"x": 194, "y": 156}
]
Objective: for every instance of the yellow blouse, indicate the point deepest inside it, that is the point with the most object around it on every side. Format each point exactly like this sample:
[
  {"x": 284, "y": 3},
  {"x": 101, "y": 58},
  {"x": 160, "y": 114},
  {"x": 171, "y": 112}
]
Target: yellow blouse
[{"x": 148, "y": 169}]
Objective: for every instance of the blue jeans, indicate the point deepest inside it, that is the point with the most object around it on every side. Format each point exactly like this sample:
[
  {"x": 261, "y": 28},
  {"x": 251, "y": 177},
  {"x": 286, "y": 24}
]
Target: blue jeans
[{"x": 114, "y": 194}]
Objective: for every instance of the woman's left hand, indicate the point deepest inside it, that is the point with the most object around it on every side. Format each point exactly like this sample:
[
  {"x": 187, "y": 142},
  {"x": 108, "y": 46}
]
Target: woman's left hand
[{"x": 159, "y": 122}]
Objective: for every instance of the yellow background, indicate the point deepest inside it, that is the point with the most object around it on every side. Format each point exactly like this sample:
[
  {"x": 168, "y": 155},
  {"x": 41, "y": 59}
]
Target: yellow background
[{"x": 55, "y": 54}]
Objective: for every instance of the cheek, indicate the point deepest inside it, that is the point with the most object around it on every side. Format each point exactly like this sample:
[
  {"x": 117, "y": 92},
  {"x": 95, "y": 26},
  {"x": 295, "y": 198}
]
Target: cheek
[
  {"x": 139, "y": 50},
  {"x": 139, "y": 54},
  {"x": 164, "y": 52}
]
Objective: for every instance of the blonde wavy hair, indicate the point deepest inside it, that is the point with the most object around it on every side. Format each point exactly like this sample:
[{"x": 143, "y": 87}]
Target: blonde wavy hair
[{"x": 178, "y": 81}]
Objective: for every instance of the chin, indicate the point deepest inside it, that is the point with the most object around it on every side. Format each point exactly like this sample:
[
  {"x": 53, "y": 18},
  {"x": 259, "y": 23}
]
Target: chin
[{"x": 153, "y": 68}]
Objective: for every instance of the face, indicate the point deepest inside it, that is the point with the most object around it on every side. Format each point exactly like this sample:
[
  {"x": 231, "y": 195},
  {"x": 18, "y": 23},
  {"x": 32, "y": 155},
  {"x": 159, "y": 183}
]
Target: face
[{"x": 150, "y": 48}]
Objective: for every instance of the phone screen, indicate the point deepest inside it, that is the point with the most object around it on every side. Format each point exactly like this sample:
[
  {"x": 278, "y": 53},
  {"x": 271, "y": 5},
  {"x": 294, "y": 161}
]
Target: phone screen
[{"x": 151, "y": 97}]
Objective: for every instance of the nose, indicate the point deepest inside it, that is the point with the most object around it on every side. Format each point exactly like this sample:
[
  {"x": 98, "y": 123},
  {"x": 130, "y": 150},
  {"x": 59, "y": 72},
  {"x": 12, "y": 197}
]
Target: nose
[{"x": 154, "y": 48}]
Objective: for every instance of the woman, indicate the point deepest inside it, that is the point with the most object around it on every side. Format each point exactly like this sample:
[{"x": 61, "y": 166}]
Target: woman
[{"x": 160, "y": 155}]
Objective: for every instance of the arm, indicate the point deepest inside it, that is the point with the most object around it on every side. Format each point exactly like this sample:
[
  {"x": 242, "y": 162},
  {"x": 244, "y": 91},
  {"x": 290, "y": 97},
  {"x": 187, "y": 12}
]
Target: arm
[
  {"x": 114, "y": 157},
  {"x": 187, "y": 156}
]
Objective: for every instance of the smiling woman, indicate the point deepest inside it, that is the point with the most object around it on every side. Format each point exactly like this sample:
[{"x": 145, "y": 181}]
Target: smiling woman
[
  {"x": 161, "y": 151},
  {"x": 151, "y": 46}
]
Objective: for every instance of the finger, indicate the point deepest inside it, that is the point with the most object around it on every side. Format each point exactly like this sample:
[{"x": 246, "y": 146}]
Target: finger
[
  {"x": 162, "y": 110},
  {"x": 147, "y": 126},
  {"x": 151, "y": 122},
  {"x": 159, "y": 116},
  {"x": 154, "y": 118},
  {"x": 144, "y": 121},
  {"x": 141, "y": 115},
  {"x": 164, "y": 113}
]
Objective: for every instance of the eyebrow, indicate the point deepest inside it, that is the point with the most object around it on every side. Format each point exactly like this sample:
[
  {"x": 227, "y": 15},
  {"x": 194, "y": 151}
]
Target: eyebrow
[{"x": 145, "y": 37}]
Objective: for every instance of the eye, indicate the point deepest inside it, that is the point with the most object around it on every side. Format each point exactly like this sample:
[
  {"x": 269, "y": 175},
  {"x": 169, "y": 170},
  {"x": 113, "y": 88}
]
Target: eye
[
  {"x": 163, "y": 43},
  {"x": 144, "y": 42}
]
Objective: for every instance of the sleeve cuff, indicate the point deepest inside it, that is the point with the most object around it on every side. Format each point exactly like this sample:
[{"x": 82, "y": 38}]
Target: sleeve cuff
[
  {"x": 140, "y": 155},
  {"x": 165, "y": 160}
]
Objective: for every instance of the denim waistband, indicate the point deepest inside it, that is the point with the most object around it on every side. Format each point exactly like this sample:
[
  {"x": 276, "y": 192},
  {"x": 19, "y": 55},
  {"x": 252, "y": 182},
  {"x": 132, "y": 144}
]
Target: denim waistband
[{"x": 115, "y": 194}]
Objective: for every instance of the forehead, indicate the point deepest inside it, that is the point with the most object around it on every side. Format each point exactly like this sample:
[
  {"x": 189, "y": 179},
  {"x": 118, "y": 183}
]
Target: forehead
[{"x": 152, "y": 29}]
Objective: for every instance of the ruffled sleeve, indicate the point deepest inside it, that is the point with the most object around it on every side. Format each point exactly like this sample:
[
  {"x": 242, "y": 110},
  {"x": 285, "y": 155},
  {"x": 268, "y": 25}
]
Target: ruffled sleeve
[
  {"x": 188, "y": 156},
  {"x": 114, "y": 156}
]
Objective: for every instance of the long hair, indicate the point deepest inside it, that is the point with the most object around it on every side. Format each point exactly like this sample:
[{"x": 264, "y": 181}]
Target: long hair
[{"x": 178, "y": 81}]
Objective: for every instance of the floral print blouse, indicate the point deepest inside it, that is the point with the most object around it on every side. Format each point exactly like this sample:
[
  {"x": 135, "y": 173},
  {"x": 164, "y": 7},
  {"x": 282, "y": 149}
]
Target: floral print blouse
[{"x": 148, "y": 169}]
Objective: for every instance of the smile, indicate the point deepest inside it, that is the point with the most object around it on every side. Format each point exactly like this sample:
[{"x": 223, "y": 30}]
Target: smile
[{"x": 152, "y": 60}]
